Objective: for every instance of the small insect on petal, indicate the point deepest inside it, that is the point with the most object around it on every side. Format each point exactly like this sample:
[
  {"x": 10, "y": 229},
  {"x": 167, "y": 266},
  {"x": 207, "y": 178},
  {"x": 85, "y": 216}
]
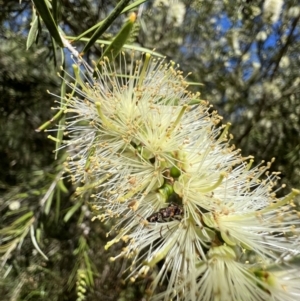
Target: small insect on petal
[{"x": 170, "y": 213}]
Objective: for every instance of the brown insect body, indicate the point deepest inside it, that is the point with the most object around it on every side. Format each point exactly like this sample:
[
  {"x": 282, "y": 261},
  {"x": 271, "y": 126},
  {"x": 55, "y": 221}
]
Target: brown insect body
[{"x": 172, "y": 212}]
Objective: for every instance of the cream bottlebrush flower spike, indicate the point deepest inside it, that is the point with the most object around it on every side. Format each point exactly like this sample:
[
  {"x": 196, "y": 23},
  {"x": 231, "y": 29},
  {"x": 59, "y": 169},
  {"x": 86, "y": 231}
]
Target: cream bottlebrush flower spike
[{"x": 160, "y": 163}]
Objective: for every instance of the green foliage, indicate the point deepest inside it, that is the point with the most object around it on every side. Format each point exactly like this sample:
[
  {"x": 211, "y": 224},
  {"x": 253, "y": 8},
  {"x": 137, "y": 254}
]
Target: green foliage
[{"x": 42, "y": 7}]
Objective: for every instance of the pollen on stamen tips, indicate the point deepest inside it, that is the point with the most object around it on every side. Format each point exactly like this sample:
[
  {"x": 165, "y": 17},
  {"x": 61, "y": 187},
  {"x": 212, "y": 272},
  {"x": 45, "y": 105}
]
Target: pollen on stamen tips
[
  {"x": 133, "y": 205},
  {"x": 144, "y": 222},
  {"x": 125, "y": 238}
]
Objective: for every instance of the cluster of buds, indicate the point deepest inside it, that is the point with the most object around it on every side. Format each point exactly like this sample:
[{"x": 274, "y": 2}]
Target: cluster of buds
[{"x": 156, "y": 160}]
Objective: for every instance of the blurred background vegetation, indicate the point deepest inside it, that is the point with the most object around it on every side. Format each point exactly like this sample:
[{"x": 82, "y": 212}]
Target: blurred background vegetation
[{"x": 248, "y": 67}]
